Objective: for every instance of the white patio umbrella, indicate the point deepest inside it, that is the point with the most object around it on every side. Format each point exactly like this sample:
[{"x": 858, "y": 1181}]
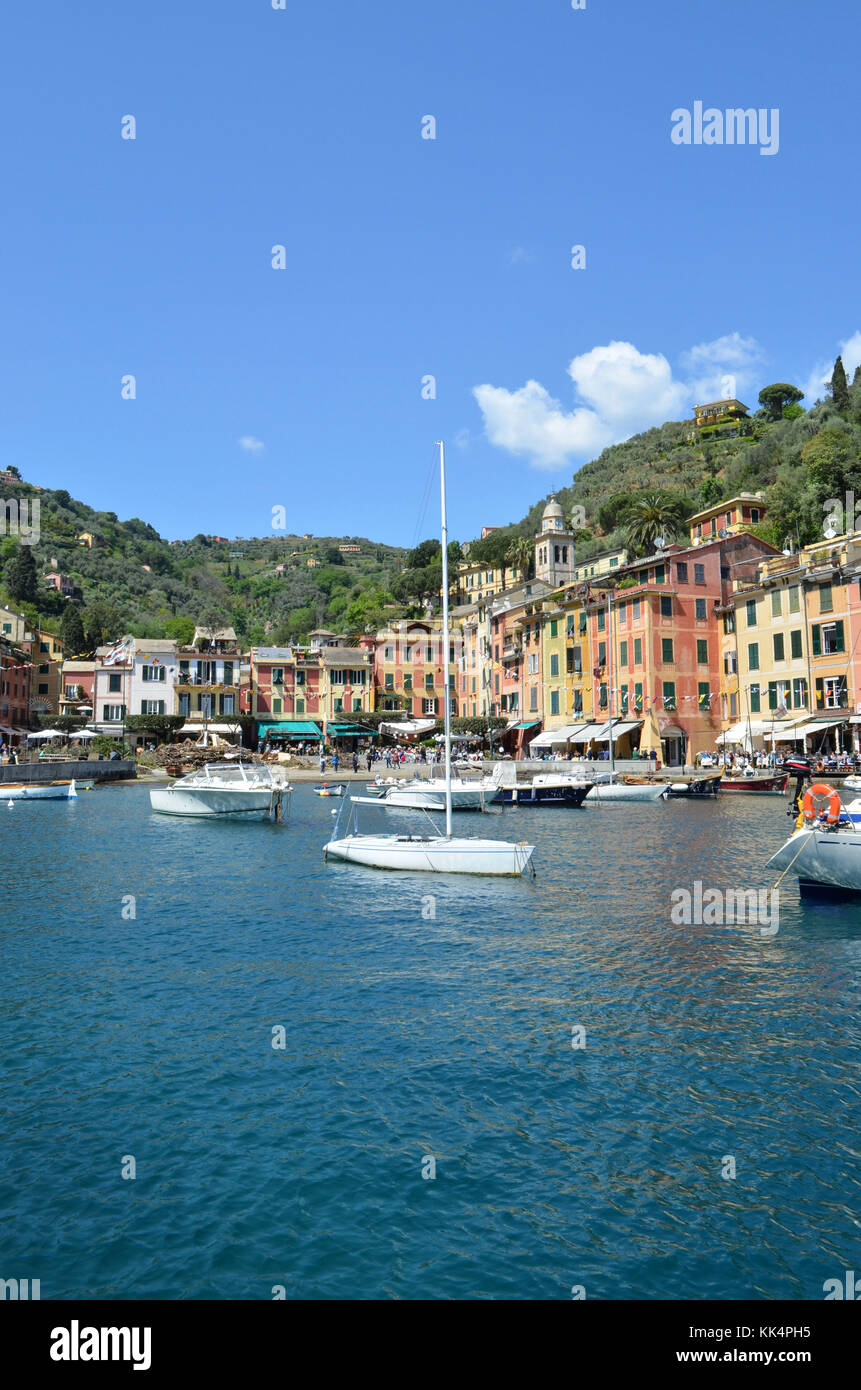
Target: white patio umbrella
[
  {"x": 48, "y": 733},
  {"x": 84, "y": 733}
]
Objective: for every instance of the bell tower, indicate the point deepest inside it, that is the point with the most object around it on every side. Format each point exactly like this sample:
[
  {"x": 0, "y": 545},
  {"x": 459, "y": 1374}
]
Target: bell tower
[{"x": 554, "y": 548}]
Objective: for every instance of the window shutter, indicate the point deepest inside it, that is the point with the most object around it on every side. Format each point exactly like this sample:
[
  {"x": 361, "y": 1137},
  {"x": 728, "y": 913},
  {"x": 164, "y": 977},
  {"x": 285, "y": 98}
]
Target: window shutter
[
  {"x": 772, "y": 694},
  {"x": 838, "y": 636},
  {"x": 816, "y": 644}
]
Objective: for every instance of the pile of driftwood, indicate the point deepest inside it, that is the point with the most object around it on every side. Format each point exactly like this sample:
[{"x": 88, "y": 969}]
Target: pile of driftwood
[{"x": 187, "y": 756}]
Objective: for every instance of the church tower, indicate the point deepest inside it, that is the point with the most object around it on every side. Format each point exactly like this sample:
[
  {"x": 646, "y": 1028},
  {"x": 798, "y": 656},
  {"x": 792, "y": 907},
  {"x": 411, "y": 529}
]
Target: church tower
[{"x": 554, "y": 548}]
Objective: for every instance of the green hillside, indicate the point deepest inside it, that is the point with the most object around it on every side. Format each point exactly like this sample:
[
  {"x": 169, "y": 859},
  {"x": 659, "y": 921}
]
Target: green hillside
[
  {"x": 797, "y": 460},
  {"x": 133, "y": 580}
]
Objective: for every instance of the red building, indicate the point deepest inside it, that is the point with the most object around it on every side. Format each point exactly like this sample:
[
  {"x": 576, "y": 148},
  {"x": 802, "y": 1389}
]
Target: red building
[
  {"x": 14, "y": 692},
  {"x": 666, "y": 646}
]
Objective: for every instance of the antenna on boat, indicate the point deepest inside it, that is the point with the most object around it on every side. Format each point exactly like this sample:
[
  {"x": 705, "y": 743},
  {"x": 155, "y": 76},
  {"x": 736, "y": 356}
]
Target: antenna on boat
[{"x": 446, "y": 656}]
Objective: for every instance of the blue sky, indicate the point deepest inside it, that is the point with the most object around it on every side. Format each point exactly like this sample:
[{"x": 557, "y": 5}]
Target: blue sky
[{"x": 405, "y": 257}]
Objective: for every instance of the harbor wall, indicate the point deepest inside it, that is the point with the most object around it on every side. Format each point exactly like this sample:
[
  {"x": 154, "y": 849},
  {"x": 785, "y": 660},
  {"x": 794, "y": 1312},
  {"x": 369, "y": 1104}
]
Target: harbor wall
[{"x": 85, "y": 769}]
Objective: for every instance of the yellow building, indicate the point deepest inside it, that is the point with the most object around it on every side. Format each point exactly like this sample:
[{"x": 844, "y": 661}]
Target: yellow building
[
  {"x": 605, "y": 563},
  {"x": 477, "y": 581}
]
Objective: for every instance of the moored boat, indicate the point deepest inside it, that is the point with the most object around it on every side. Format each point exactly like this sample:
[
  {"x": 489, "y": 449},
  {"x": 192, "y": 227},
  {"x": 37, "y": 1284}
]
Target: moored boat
[
  {"x": 755, "y": 781},
  {"x": 824, "y": 850},
  {"x": 444, "y": 854},
  {"x": 546, "y": 789},
  {"x": 617, "y": 790},
  {"x": 247, "y": 791},
  {"x": 38, "y": 791}
]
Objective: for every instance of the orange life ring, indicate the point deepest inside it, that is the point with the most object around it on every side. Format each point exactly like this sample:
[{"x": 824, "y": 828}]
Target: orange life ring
[
  {"x": 819, "y": 766},
  {"x": 822, "y": 789}
]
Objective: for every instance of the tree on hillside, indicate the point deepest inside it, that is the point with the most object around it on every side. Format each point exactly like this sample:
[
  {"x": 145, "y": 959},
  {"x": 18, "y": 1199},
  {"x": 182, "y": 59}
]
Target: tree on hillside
[
  {"x": 710, "y": 491},
  {"x": 519, "y": 554},
  {"x": 653, "y": 514},
  {"x": 839, "y": 387},
  {"x": 180, "y": 629},
  {"x": 773, "y": 398},
  {"x": 833, "y": 462},
  {"x": 423, "y": 555},
  {"x": 610, "y": 511},
  {"x": 20, "y": 575},
  {"x": 102, "y": 623},
  {"x": 72, "y": 630}
]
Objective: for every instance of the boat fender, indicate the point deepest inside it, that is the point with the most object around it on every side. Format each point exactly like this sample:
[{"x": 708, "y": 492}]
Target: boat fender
[{"x": 822, "y": 789}]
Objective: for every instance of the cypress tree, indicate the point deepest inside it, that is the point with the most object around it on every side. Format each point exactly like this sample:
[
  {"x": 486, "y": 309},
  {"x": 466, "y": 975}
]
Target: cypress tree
[
  {"x": 72, "y": 630},
  {"x": 839, "y": 388},
  {"x": 20, "y": 575}
]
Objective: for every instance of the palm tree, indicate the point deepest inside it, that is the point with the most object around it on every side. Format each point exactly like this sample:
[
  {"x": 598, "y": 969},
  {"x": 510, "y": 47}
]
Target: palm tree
[
  {"x": 519, "y": 555},
  {"x": 652, "y": 514}
]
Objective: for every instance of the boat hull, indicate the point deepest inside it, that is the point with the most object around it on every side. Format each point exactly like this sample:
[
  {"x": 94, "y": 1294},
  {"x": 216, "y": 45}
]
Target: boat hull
[
  {"x": 431, "y": 854},
  {"x": 776, "y": 784},
  {"x": 549, "y": 794},
  {"x": 38, "y": 791},
  {"x": 832, "y": 859},
  {"x": 624, "y": 791}
]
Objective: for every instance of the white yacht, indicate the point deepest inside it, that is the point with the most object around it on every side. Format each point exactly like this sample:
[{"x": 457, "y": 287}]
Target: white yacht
[{"x": 249, "y": 790}]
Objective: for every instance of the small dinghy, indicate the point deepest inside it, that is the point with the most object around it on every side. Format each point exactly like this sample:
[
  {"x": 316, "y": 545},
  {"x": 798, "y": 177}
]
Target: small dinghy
[
  {"x": 38, "y": 791},
  {"x": 329, "y": 789}
]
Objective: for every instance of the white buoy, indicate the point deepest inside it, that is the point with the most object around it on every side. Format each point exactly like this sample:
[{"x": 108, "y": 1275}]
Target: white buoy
[{"x": 11, "y": 804}]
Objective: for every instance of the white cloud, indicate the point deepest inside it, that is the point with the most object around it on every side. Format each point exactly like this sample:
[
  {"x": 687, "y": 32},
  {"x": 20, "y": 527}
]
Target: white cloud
[
  {"x": 529, "y": 421},
  {"x": 250, "y": 444},
  {"x": 624, "y": 390}
]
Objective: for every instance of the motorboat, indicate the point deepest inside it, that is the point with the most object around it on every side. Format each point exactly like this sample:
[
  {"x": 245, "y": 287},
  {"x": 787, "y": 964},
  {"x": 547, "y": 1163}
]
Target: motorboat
[
  {"x": 245, "y": 790},
  {"x": 329, "y": 789},
  {"x": 441, "y": 854},
  {"x": 38, "y": 791},
  {"x": 543, "y": 789}
]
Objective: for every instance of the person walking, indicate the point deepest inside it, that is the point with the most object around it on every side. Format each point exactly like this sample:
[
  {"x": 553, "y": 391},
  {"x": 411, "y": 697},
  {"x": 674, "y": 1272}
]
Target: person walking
[{"x": 355, "y": 762}]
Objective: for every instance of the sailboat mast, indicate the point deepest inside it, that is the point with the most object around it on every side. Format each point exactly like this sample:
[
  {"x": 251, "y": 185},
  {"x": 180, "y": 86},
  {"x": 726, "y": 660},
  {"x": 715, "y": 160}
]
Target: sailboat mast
[
  {"x": 446, "y": 655},
  {"x": 610, "y": 680}
]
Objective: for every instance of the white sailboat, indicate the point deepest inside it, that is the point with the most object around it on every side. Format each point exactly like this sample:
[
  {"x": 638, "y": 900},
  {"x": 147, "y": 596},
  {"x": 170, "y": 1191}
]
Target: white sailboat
[
  {"x": 823, "y": 854},
  {"x": 440, "y": 854}
]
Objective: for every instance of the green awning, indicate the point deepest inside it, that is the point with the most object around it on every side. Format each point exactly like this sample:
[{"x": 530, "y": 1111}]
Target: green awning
[
  {"x": 291, "y": 728},
  {"x": 532, "y": 724},
  {"x": 350, "y": 731}
]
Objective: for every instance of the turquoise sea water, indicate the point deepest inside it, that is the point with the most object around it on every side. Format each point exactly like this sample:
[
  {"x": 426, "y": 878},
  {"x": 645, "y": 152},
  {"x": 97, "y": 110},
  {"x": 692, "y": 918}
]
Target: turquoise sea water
[{"x": 410, "y": 1036}]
